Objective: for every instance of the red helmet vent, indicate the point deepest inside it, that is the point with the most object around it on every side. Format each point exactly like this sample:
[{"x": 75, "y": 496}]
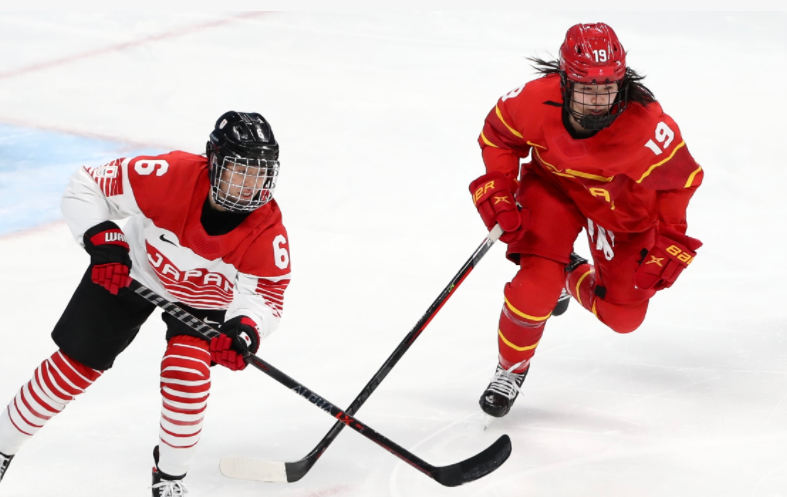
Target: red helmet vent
[{"x": 592, "y": 53}]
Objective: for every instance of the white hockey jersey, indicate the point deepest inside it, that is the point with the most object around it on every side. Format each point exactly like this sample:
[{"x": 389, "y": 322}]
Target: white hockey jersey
[{"x": 245, "y": 271}]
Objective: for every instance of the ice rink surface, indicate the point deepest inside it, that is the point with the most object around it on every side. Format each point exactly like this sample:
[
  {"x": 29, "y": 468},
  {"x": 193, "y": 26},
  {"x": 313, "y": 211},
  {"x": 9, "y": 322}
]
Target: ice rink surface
[{"x": 377, "y": 116}]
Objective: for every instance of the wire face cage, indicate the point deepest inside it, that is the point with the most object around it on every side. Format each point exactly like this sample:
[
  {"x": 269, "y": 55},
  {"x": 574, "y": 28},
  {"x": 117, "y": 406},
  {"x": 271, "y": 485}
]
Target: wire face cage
[
  {"x": 241, "y": 184},
  {"x": 600, "y": 104}
]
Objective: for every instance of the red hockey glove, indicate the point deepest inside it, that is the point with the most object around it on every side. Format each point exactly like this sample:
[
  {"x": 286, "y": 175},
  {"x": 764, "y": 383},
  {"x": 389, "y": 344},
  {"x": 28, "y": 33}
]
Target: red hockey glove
[
  {"x": 493, "y": 195},
  {"x": 670, "y": 255},
  {"x": 239, "y": 337},
  {"x": 109, "y": 258}
]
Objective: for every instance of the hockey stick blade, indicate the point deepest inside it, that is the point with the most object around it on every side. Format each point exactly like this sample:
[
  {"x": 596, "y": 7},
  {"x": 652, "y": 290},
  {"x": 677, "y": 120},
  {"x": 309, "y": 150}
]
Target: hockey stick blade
[
  {"x": 453, "y": 475},
  {"x": 271, "y": 470},
  {"x": 478, "y": 466},
  {"x": 456, "y": 474},
  {"x": 246, "y": 468}
]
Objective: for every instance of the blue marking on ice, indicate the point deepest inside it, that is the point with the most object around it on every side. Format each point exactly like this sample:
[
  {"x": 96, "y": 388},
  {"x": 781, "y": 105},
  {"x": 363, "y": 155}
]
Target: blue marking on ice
[{"x": 35, "y": 167}]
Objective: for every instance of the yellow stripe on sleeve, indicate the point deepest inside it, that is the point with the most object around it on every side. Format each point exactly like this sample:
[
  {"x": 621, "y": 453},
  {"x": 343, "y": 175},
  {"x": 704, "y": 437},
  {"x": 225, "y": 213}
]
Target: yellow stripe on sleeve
[
  {"x": 552, "y": 169},
  {"x": 512, "y": 130},
  {"x": 691, "y": 178},
  {"x": 486, "y": 140},
  {"x": 654, "y": 166},
  {"x": 515, "y": 347}
]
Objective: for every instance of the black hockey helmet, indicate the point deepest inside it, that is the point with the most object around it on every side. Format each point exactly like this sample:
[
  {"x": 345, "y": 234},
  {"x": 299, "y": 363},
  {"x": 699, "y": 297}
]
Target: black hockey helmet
[{"x": 243, "y": 161}]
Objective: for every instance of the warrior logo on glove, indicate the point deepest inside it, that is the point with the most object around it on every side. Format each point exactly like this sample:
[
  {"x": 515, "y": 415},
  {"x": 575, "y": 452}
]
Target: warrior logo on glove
[{"x": 109, "y": 259}]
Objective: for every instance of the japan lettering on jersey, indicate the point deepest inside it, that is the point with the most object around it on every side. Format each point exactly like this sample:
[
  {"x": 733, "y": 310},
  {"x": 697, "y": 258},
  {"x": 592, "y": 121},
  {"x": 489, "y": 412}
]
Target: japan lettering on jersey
[
  {"x": 627, "y": 177},
  {"x": 245, "y": 271}
]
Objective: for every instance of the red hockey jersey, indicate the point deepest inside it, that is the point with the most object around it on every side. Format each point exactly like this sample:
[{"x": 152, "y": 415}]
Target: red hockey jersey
[
  {"x": 628, "y": 177},
  {"x": 244, "y": 271}
]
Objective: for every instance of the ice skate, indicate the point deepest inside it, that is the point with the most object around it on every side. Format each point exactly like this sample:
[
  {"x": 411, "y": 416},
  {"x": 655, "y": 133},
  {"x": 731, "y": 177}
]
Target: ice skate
[
  {"x": 5, "y": 461},
  {"x": 562, "y": 302},
  {"x": 501, "y": 393},
  {"x": 576, "y": 261},
  {"x": 165, "y": 485}
]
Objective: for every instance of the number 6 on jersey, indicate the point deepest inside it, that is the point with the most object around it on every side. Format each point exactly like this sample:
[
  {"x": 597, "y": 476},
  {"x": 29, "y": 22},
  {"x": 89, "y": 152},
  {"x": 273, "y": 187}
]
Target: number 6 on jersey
[{"x": 280, "y": 255}]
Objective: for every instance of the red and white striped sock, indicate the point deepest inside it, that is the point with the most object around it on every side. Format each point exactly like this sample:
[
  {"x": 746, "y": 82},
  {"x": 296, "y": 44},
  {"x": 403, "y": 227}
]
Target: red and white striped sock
[
  {"x": 55, "y": 383},
  {"x": 185, "y": 387}
]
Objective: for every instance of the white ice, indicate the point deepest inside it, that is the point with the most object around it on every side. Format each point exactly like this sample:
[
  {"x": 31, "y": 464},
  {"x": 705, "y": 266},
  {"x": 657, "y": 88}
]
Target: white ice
[{"x": 378, "y": 116}]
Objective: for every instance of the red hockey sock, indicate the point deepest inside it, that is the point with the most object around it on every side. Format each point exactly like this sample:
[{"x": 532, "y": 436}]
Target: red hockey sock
[
  {"x": 55, "y": 383},
  {"x": 529, "y": 300}
]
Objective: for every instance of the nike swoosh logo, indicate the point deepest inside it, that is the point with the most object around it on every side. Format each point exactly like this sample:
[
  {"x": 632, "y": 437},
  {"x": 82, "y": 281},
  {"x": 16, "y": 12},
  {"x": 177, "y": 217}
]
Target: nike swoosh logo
[{"x": 165, "y": 240}]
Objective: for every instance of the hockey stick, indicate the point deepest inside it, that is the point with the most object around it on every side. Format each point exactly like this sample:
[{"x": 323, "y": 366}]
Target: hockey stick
[
  {"x": 452, "y": 475},
  {"x": 244, "y": 468}
]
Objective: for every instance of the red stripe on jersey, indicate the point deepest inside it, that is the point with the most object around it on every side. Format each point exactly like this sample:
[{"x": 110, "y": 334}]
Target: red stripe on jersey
[
  {"x": 108, "y": 177},
  {"x": 196, "y": 287},
  {"x": 213, "y": 300},
  {"x": 273, "y": 293}
]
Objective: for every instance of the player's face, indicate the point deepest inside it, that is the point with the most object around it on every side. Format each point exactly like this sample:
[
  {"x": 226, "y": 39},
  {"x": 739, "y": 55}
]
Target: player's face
[
  {"x": 240, "y": 183},
  {"x": 593, "y": 100}
]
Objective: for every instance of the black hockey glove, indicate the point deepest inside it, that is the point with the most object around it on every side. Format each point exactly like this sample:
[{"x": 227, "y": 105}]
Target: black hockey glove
[
  {"x": 239, "y": 337},
  {"x": 109, "y": 259}
]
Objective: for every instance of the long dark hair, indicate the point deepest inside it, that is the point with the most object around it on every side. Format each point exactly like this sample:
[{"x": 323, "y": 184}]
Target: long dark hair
[{"x": 637, "y": 92}]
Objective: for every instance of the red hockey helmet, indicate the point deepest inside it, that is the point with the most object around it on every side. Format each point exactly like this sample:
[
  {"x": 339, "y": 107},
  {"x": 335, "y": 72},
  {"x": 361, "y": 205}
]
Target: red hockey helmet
[{"x": 592, "y": 53}]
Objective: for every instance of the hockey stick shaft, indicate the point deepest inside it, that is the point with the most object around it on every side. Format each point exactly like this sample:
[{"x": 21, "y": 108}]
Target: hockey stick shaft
[
  {"x": 297, "y": 471},
  {"x": 453, "y": 475}
]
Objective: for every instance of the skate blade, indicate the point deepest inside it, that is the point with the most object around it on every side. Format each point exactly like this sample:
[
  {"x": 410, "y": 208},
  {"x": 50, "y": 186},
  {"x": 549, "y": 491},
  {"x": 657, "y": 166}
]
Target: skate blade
[{"x": 487, "y": 421}]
